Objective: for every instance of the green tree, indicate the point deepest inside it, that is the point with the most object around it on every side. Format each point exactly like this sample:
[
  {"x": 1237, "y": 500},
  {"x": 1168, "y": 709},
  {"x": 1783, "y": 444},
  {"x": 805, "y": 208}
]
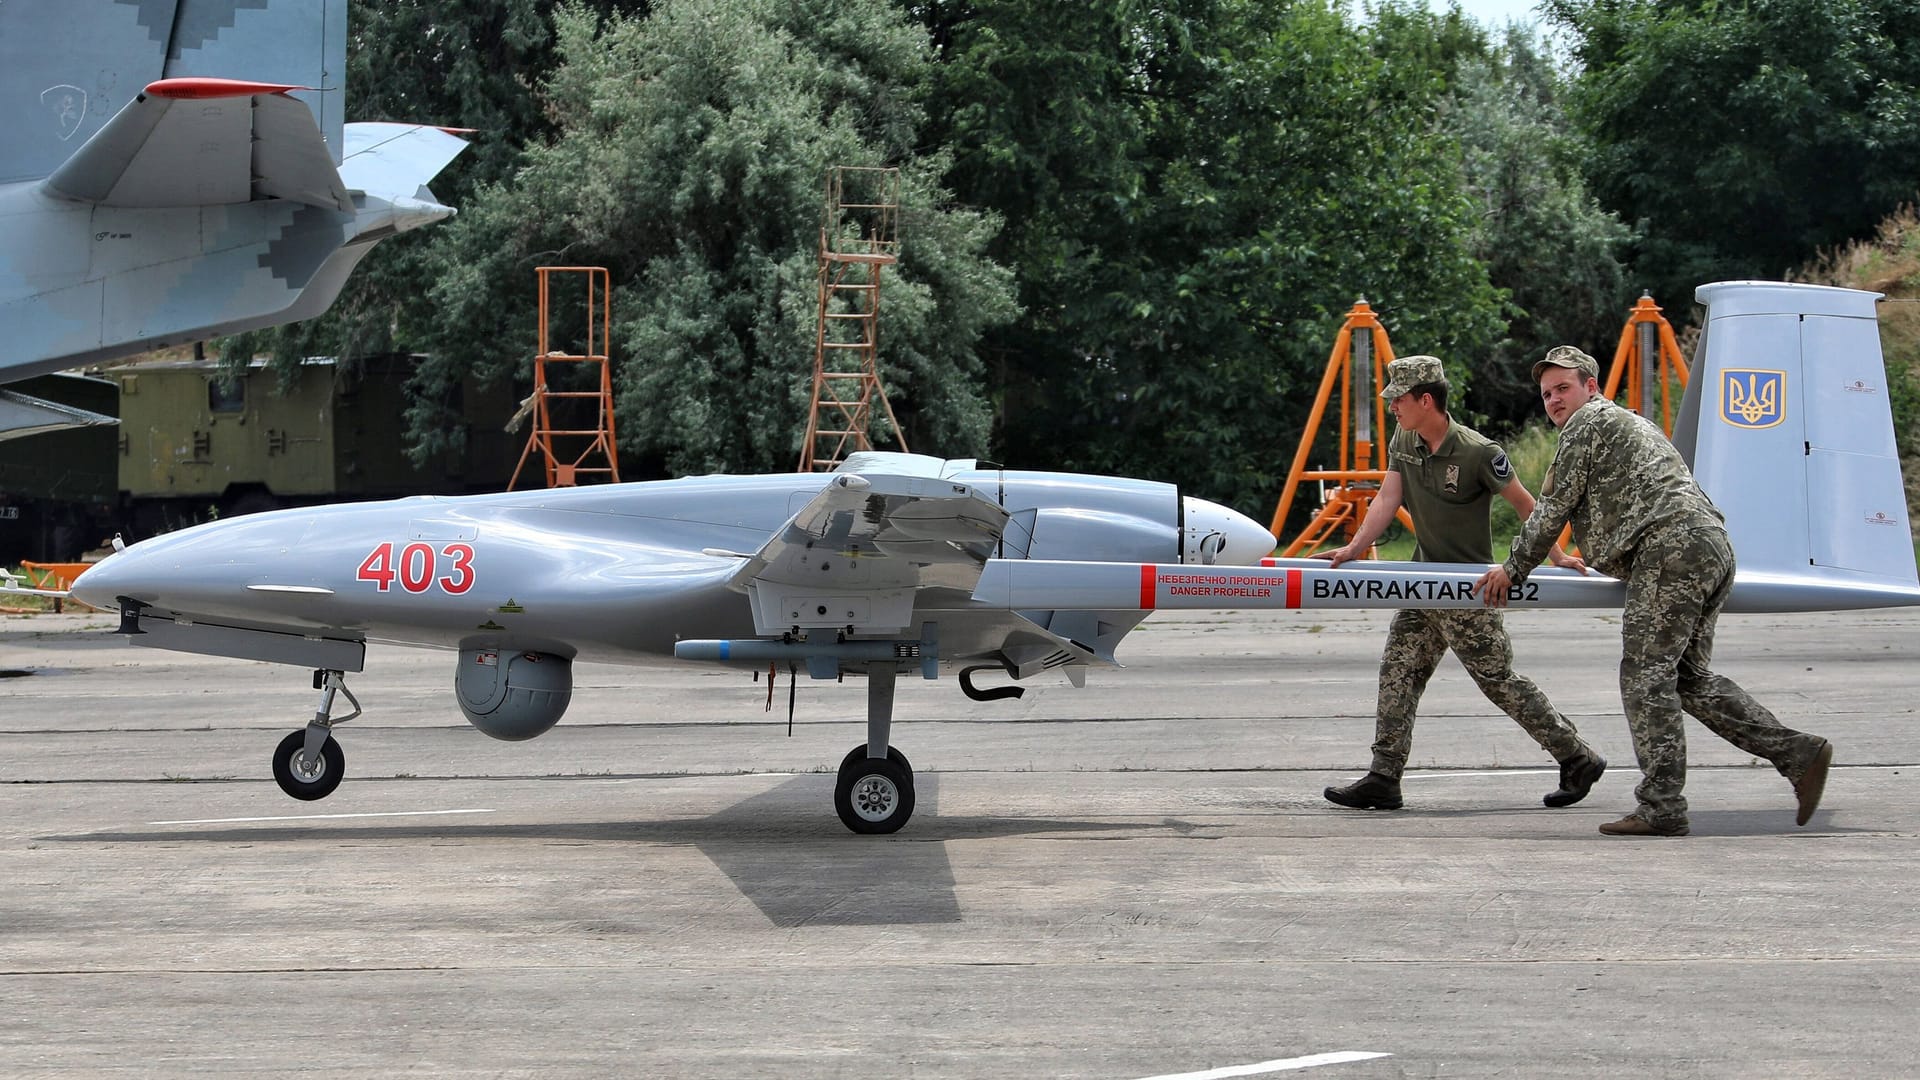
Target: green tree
[
  {"x": 1544, "y": 238},
  {"x": 1743, "y": 137},
  {"x": 1194, "y": 199},
  {"x": 1431, "y": 48},
  {"x": 689, "y": 157}
]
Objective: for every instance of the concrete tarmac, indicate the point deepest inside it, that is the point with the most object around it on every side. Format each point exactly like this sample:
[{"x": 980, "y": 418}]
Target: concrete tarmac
[{"x": 1137, "y": 879}]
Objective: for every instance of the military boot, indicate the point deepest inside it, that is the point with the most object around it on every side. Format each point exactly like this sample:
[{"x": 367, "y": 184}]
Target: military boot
[
  {"x": 1811, "y": 784},
  {"x": 1371, "y": 792},
  {"x": 1635, "y": 825},
  {"x": 1577, "y": 776}
]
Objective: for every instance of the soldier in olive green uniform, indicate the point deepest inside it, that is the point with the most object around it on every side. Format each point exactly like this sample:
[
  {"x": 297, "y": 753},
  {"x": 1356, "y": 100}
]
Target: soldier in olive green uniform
[
  {"x": 1638, "y": 515},
  {"x": 1446, "y": 474}
]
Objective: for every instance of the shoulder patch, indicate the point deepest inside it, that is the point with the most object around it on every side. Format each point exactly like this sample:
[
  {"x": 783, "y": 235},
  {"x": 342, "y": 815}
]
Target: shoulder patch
[{"x": 1502, "y": 468}]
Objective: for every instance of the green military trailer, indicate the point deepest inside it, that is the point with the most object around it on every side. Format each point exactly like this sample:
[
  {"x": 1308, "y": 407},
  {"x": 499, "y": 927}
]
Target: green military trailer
[{"x": 195, "y": 444}]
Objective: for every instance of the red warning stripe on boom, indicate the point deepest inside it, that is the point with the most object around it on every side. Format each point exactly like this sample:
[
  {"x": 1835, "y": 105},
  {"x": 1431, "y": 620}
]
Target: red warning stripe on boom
[{"x": 1241, "y": 585}]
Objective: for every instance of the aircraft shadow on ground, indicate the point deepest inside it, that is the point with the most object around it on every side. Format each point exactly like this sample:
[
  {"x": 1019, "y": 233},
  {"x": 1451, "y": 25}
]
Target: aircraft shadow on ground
[{"x": 797, "y": 866}]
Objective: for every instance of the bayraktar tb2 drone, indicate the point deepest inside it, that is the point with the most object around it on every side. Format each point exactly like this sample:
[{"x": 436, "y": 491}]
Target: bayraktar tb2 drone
[{"x": 898, "y": 563}]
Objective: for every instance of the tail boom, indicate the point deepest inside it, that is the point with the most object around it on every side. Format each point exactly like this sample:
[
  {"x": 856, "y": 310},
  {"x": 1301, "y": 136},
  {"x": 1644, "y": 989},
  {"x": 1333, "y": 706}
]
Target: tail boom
[
  {"x": 1291, "y": 584},
  {"x": 1309, "y": 584}
]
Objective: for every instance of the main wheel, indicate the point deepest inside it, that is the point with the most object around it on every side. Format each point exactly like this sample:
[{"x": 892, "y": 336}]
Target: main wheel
[
  {"x": 859, "y": 753},
  {"x": 313, "y": 780},
  {"x": 874, "y": 795}
]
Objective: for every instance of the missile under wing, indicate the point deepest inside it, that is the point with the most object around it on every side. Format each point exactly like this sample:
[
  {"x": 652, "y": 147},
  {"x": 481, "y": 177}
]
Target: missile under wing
[{"x": 172, "y": 170}]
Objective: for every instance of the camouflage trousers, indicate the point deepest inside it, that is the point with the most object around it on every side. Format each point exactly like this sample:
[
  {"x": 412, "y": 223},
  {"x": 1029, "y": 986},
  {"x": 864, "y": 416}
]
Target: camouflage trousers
[
  {"x": 1415, "y": 644},
  {"x": 1678, "y": 583}
]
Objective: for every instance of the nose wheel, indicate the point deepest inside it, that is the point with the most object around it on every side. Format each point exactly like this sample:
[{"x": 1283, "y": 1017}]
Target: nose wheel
[
  {"x": 308, "y": 776},
  {"x": 308, "y": 764}
]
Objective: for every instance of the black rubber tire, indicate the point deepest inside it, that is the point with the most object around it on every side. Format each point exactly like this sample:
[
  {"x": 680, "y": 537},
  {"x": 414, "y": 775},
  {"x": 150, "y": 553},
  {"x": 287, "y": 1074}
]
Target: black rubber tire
[
  {"x": 873, "y": 796},
  {"x": 893, "y": 755},
  {"x": 333, "y": 767}
]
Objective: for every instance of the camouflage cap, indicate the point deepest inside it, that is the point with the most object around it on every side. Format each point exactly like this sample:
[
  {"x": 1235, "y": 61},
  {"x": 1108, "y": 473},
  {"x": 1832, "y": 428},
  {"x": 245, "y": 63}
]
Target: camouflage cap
[
  {"x": 1568, "y": 357},
  {"x": 1410, "y": 371}
]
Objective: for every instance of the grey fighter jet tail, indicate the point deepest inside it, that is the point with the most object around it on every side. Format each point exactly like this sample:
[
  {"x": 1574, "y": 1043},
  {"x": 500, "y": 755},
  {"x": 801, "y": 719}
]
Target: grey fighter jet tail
[
  {"x": 72, "y": 67},
  {"x": 172, "y": 170}
]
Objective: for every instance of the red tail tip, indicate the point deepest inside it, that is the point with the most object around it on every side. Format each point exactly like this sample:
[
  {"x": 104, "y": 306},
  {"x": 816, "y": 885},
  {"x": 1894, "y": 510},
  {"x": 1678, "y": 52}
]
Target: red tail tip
[{"x": 196, "y": 88}]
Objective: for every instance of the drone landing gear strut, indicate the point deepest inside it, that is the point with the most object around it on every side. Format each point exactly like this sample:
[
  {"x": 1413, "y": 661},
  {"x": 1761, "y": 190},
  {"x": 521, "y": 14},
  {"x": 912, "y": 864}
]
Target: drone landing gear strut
[
  {"x": 308, "y": 764},
  {"x": 875, "y": 790}
]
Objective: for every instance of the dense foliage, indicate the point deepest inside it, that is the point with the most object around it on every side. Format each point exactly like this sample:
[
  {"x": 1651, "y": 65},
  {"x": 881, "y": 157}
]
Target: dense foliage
[
  {"x": 1544, "y": 239},
  {"x": 1196, "y": 192},
  {"x": 1743, "y": 138},
  {"x": 688, "y": 155},
  {"x": 1133, "y": 227}
]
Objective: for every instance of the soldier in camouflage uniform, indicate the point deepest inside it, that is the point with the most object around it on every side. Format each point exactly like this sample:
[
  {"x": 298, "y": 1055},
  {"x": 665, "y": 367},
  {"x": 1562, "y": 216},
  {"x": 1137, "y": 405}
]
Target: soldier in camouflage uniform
[
  {"x": 1638, "y": 515},
  {"x": 1447, "y": 474}
]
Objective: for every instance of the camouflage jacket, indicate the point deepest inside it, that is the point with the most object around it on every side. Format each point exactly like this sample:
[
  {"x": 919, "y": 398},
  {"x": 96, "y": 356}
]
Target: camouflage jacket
[{"x": 1619, "y": 481}]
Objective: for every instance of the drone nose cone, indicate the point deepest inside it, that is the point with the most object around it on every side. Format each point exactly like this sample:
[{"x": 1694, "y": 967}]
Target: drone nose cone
[
  {"x": 173, "y": 568},
  {"x": 1216, "y": 534},
  {"x": 106, "y": 581}
]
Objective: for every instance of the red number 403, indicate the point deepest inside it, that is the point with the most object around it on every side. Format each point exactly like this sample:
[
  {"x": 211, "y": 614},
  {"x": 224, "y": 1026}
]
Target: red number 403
[{"x": 416, "y": 567}]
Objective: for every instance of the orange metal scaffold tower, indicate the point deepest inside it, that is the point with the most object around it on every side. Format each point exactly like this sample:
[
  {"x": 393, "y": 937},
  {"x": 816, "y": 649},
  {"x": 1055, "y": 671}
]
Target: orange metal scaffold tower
[
  {"x": 1361, "y": 353},
  {"x": 859, "y": 236},
  {"x": 594, "y": 443},
  {"x": 1649, "y": 356}
]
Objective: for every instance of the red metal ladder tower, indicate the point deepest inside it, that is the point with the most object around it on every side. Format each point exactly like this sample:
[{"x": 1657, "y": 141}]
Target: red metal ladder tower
[
  {"x": 859, "y": 237},
  {"x": 587, "y": 446}
]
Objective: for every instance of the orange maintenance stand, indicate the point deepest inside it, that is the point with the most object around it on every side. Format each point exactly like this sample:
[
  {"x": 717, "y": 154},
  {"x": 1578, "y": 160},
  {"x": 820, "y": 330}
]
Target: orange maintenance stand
[
  {"x": 1361, "y": 353},
  {"x": 45, "y": 575},
  {"x": 1648, "y": 356}
]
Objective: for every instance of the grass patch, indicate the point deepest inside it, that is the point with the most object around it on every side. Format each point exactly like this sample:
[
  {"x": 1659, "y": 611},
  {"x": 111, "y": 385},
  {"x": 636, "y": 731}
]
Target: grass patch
[{"x": 15, "y": 604}]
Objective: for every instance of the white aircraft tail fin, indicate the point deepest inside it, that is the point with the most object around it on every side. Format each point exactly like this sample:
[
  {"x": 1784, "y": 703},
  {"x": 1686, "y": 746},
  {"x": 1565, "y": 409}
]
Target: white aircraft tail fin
[
  {"x": 1788, "y": 427},
  {"x": 397, "y": 159}
]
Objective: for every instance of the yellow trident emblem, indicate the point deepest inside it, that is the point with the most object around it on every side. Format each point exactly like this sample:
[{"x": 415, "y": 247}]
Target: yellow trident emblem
[{"x": 1752, "y": 398}]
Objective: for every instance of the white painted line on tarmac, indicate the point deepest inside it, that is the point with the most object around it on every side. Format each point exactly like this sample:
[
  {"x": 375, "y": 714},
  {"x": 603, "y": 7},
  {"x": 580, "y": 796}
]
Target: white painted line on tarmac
[
  {"x": 318, "y": 817},
  {"x": 1285, "y": 1065}
]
